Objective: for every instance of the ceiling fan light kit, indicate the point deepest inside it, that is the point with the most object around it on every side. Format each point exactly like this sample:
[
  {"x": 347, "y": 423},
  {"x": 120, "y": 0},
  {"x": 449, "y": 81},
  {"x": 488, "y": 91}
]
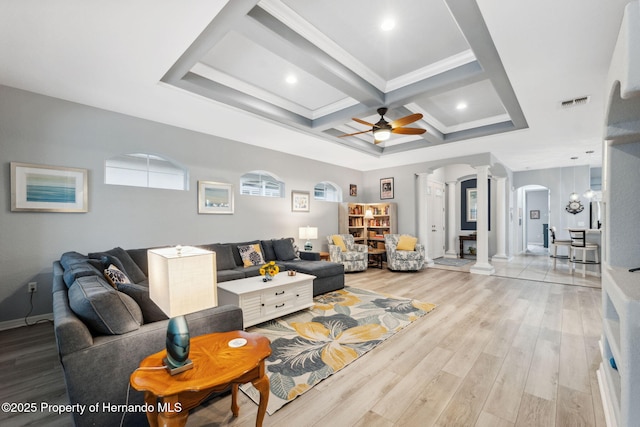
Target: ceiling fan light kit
[{"x": 383, "y": 129}]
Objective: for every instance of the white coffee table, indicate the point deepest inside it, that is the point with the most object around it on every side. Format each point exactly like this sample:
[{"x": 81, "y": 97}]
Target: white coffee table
[{"x": 261, "y": 301}]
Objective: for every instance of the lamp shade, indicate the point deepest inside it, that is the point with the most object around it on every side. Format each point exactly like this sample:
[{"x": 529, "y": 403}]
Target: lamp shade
[
  {"x": 182, "y": 280},
  {"x": 368, "y": 214},
  {"x": 308, "y": 232}
]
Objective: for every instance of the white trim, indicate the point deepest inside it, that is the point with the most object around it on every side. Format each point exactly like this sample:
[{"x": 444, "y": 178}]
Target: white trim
[{"x": 16, "y": 323}]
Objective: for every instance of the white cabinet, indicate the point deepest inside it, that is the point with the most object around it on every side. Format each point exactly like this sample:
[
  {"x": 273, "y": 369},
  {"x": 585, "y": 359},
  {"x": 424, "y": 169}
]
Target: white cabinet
[
  {"x": 261, "y": 301},
  {"x": 619, "y": 374}
]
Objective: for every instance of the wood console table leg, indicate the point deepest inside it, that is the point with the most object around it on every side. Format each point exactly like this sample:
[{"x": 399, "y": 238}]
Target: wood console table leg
[
  {"x": 234, "y": 399},
  {"x": 169, "y": 417},
  {"x": 262, "y": 385}
]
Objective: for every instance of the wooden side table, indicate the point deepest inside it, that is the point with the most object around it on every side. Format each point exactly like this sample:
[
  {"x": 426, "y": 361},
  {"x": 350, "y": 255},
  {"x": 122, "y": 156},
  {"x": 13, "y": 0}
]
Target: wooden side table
[
  {"x": 216, "y": 366},
  {"x": 324, "y": 256},
  {"x": 376, "y": 256}
]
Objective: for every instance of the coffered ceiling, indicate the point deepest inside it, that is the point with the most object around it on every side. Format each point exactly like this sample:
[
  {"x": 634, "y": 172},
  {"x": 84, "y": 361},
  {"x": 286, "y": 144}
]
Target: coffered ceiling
[
  {"x": 221, "y": 67},
  {"x": 316, "y": 65}
]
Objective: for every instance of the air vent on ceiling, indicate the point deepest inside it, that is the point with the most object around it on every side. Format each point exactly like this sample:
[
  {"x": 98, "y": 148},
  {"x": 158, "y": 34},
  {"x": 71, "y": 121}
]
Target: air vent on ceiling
[{"x": 575, "y": 102}]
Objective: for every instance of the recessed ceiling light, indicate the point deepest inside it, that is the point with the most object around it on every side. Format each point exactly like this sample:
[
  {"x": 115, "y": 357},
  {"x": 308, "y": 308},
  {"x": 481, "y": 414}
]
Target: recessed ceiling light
[
  {"x": 291, "y": 79},
  {"x": 461, "y": 106},
  {"x": 388, "y": 24}
]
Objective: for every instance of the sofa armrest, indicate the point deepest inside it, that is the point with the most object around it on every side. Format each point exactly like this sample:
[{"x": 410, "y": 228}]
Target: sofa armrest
[
  {"x": 71, "y": 333},
  {"x": 111, "y": 359},
  {"x": 310, "y": 256},
  {"x": 360, "y": 247}
]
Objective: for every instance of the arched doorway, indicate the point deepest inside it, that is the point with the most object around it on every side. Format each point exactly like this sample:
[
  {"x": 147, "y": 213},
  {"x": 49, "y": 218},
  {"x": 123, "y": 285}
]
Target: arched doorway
[{"x": 533, "y": 220}]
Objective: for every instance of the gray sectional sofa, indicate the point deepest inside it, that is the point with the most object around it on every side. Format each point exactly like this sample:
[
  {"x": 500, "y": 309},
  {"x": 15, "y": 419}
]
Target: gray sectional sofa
[{"x": 103, "y": 332}]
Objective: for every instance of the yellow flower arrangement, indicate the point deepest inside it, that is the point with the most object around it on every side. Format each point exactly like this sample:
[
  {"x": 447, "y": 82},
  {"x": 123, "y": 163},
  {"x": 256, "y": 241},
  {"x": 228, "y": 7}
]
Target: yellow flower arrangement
[{"x": 269, "y": 270}]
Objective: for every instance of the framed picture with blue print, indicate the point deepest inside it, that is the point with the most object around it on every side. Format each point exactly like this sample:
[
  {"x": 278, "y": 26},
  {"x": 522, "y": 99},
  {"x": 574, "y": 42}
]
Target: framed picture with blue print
[{"x": 40, "y": 188}]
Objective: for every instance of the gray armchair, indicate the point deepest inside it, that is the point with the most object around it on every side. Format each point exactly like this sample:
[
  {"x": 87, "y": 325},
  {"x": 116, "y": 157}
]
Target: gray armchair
[
  {"x": 401, "y": 260},
  {"x": 356, "y": 256}
]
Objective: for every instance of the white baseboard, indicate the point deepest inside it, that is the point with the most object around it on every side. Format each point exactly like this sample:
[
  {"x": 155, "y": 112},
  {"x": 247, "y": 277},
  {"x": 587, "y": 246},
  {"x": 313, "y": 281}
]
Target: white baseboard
[{"x": 16, "y": 323}]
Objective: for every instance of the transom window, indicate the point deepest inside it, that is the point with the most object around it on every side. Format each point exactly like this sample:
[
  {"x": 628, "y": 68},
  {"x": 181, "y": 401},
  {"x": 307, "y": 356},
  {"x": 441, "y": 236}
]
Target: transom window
[
  {"x": 145, "y": 170},
  {"x": 327, "y": 191},
  {"x": 261, "y": 183}
]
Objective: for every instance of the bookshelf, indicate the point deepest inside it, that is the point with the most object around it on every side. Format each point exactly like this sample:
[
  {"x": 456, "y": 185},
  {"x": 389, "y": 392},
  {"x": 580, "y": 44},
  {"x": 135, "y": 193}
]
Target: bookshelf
[{"x": 368, "y": 231}]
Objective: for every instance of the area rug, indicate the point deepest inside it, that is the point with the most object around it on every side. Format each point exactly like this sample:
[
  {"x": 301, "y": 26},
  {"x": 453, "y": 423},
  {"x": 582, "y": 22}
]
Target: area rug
[
  {"x": 452, "y": 262},
  {"x": 311, "y": 345}
]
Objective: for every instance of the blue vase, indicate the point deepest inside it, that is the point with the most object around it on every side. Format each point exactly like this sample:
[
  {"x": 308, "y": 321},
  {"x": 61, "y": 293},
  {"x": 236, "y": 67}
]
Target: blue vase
[{"x": 177, "y": 341}]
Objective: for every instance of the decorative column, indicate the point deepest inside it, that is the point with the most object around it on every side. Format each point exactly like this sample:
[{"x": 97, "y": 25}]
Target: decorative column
[
  {"x": 422, "y": 214},
  {"x": 451, "y": 220},
  {"x": 501, "y": 220},
  {"x": 482, "y": 265}
]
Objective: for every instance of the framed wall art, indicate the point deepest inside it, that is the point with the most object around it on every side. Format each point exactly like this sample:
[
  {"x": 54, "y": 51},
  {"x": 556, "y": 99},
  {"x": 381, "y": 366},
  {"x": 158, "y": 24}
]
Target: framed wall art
[
  {"x": 215, "y": 197},
  {"x": 40, "y": 188},
  {"x": 300, "y": 201},
  {"x": 386, "y": 188},
  {"x": 353, "y": 190},
  {"x": 534, "y": 214}
]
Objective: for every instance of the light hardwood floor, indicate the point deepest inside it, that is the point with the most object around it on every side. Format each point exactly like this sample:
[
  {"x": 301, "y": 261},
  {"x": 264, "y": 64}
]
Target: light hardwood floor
[{"x": 495, "y": 352}]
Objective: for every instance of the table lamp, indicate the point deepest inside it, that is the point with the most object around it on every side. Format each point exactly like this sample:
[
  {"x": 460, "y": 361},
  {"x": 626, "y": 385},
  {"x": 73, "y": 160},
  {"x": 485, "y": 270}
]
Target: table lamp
[
  {"x": 182, "y": 280},
  {"x": 308, "y": 233}
]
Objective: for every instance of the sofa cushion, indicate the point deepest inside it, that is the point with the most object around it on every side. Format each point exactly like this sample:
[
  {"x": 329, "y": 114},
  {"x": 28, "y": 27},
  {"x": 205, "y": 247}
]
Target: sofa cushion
[
  {"x": 69, "y": 258},
  {"x": 251, "y": 255},
  {"x": 103, "y": 309},
  {"x": 80, "y": 269},
  {"x": 251, "y": 271},
  {"x": 284, "y": 249},
  {"x": 140, "y": 294},
  {"x": 227, "y": 275},
  {"x": 268, "y": 252},
  {"x": 127, "y": 264},
  {"x": 224, "y": 256},
  {"x": 236, "y": 254},
  {"x": 320, "y": 269},
  {"x": 139, "y": 256}
]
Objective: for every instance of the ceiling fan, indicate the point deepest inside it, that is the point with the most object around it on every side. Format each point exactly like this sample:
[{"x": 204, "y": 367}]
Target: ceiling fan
[{"x": 383, "y": 129}]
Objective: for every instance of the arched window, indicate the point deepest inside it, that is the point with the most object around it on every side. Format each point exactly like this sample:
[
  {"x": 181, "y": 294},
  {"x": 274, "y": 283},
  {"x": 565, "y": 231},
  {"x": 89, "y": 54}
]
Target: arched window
[
  {"x": 327, "y": 191},
  {"x": 261, "y": 183},
  {"x": 145, "y": 170}
]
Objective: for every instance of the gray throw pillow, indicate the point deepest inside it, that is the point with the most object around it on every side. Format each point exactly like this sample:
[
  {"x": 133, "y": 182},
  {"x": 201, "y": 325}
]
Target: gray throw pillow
[
  {"x": 284, "y": 249},
  {"x": 140, "y": 294},
  {"x": 103, "y": 309},
  {"x": 224, "y": 256},
  {"x": 127, "y": 264}
]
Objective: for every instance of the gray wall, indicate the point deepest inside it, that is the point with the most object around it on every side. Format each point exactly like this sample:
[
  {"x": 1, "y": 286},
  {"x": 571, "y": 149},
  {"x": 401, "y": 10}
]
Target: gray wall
[{"x": 44, "y": 130}]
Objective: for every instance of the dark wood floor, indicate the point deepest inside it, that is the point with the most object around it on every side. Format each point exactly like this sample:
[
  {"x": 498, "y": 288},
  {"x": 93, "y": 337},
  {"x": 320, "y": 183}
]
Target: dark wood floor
[{"x": 495, "y": 352}]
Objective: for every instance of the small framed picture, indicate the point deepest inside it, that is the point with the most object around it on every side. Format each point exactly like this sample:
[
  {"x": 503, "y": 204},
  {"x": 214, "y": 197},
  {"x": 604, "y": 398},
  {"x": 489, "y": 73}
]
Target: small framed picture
[
  {"x": 300, "y": 201},
  {"x": 534, "y": 214},
  {"x": 39, "y": 188},
  {"x": 353, "y": 190},
  {"x": 386, "y": 188},
  {"x": 215, "y": 197}
]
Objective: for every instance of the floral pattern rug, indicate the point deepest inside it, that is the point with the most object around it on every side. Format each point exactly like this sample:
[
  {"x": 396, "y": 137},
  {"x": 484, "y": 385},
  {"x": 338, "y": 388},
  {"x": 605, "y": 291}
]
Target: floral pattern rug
[{"x": 310, "y": 345}]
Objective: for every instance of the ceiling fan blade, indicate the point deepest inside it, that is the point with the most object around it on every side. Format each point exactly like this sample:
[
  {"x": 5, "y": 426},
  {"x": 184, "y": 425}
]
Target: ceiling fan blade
[
  {"x": 406, "y": 120},
  {"x": 363, "y": 122},
  {"x": 408, "y": 131},
  {"x": 357, "y": 133}
]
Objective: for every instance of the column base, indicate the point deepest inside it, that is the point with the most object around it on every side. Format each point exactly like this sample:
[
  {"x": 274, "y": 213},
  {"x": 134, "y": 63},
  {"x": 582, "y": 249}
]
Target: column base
[
  {"x": 501, "y": 258},
  {"x": 451, "y": 254},
  {"x": 482, "y": 268}
]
